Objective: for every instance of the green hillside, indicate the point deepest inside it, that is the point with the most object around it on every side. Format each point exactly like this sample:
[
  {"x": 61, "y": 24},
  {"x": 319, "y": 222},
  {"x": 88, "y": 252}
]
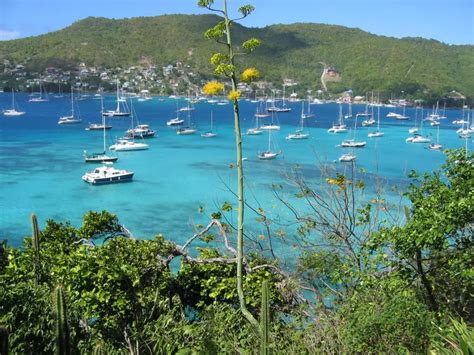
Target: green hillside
[{"x": 366, "y": 62}]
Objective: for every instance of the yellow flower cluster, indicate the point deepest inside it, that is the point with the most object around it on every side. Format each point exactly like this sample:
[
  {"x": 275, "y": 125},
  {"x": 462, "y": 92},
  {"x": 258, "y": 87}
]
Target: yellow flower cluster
[
  {"x": 249, "y": 74},
  {"x": 233, "y": 95},
  {"x": 213, "y": 88}
]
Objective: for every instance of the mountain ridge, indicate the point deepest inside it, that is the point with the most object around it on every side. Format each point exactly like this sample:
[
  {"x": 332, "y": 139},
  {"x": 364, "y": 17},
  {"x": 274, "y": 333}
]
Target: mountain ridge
[{"x": 367, "y": 62}]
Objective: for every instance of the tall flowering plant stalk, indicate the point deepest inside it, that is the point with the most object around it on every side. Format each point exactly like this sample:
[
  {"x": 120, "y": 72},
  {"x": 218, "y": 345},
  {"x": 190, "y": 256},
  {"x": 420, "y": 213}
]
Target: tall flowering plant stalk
[{"x": 224, "y": 63}]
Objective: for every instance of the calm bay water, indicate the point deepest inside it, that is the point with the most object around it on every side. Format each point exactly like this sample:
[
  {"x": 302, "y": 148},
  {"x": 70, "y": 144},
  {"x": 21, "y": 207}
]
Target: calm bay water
[{"x": 41, "y": 163}]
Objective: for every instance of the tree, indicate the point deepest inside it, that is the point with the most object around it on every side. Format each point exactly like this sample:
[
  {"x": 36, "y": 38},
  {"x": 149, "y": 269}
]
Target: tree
[{"x": 225, "y": 65}]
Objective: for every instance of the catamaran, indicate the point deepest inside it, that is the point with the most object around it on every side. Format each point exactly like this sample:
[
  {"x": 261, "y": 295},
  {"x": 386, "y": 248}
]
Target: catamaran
[
  {"x": 339, "y": 127},
  {"x": 107, "y": 174},
  {"x": 13, "y": 111}
]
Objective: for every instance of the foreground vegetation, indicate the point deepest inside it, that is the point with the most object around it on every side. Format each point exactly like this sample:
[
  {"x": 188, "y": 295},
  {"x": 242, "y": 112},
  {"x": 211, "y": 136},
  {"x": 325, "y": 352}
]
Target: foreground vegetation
[
  {"x": 355, "y": 288},
  {"x": 419, "y": 67}
]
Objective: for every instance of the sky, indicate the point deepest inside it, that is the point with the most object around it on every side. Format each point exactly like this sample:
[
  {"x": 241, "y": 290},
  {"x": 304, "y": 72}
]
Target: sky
[{"x": 449, "y": 21}]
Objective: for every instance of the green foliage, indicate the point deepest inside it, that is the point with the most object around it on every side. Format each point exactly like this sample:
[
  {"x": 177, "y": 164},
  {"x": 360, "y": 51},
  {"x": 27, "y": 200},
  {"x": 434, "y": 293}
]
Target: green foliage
[
  {"x": 384, "y": 318},
  {"x": 457, "y": 337},
  {"x": 419, "y": 67},
  {"x": 99, "y": 225},
  {"x": 63, "y": 344}
]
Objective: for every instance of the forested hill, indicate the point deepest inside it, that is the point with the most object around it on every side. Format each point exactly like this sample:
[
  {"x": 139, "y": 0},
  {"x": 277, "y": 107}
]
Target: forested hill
[{"x": 365, "y": 61}]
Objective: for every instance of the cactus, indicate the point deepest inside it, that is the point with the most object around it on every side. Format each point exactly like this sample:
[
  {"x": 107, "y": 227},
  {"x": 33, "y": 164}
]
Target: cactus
[
  {"x": 36, "y": 249},
  {"x": 99, "y": 349},
  {"x": 3, "y": 341},
  {"x": 264, "y": 320},
  {"x": 62, "y": 327}
]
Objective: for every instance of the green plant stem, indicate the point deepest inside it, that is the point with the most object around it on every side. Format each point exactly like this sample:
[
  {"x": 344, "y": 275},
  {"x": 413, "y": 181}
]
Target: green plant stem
[{"x": 240, "y": 182}]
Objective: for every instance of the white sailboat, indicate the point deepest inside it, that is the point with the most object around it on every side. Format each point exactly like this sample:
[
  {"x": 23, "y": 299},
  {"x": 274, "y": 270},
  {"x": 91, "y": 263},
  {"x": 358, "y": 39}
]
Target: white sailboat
[
  {"x": 127, "y": 144},
  {"x": 352, "y": 142},
  {"x": 40, "y": 98},
  {"x": 210, "y": 133},
  {"x": 414, "y": 129},
  {"x": 308, "y": 113},
  {"x": 268, "y": 154},
  {"x": 117, "y": 112},
  {"x": 418, "y": 137},
  {"x": 73, "y": 118},
  {"x": 60, "y": 94},
  {"x": 437, "y": 145},
  {"x": 299, "y": 133},
  {"x": 339, "y": 127},
  {"x": 177, "y": 121},
  {"x": 188, "y": 130},
  {"x": 257, "y": 130},
  {"x": 13, "y": 111},
  {"x": 99, "y": 126},
  {"x": 140, "y": 130},
  {"x": 101, "y": 157},
  {"x": 349, "y": 113},
  {"x": 347, "y": 157},
  {"x": 271, "y": 126},
  {"x": 378, "y": 132}
]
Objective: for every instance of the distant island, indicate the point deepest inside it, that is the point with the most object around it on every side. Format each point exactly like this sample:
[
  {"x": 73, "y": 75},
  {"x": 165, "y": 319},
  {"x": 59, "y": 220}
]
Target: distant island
[{"x": 169, "y": 54}]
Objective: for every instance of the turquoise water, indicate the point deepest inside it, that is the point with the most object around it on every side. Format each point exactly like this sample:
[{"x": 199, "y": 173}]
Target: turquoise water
[{"x": 41, "y": 163}]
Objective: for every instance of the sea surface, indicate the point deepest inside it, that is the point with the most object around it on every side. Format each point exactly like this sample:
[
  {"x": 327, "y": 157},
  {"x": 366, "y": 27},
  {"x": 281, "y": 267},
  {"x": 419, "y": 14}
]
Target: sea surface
[{"x": 181, "y": 180}]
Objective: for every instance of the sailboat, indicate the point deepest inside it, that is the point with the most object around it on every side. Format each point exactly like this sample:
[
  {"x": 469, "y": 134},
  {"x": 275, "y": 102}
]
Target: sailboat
[
  {"x": 117, "y": 112},
  {"x": 352, "y": 143},
  {"x": 378, "y": 132},
  {"x": 260, "y": 112},
  {"x": 271, "y": 126},
  {"x": 299, "y": 134},
  {"x": 306, "y": 114},
  {"x": 210, "y": 133},
  {"x": 184, "y": 131},
  {"x": 72, "y": 119},
  {"x": 60, "y": 94},
  {"x": 268, "y": 154},
  {"x": 13, "y": 111},
  {"x": 347, "y": 157},
  {"x": 414, "y": 129},
  {"x": 349, "y": 114},
  {"x": 257, "y": 130},
  {"x": 418, "y": 138},
  {"x": 177, "y": 121},
  {"x": 275, "y": 108},
  {"x": 101, "y": 157},
  {"x": 128, "y": 143},
  {"x": 339, "y": 127},
  {"x": 370, "y": 120},
  {"x": 99, "y": 126},
  {"x": 437, "y": 145},
  {"x": 140, "y": 130},
  {"x": 40, "y": 98}
]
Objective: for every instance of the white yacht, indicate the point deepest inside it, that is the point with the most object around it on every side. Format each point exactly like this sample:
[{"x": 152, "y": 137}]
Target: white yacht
[
  {"x": 125, "y": 145},
  {"x": 107, "y": 174},
  {"x": 268, "y": 154},
  {"x": 140, "y": 131},
  {"x": 417, "y": 138},
  {"x": 13, "y": 111}
]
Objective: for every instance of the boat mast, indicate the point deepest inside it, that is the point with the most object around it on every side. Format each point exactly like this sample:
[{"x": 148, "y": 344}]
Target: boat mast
[
  {"x": 118, "y": 98},
  {"x": 72, "y": 101},
  {"x": 13, "y": 100},
  {"x": 103, "y": 119}
]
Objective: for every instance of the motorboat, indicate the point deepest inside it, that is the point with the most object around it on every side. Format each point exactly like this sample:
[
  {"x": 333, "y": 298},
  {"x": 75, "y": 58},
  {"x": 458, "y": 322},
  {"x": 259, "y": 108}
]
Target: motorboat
[
  {"x": 107, "y": 174},
  {"x": 140, "y": 131}
]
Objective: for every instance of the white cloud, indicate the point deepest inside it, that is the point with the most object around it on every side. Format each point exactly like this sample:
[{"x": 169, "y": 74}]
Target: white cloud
[{"x": 7, "y": 35}]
